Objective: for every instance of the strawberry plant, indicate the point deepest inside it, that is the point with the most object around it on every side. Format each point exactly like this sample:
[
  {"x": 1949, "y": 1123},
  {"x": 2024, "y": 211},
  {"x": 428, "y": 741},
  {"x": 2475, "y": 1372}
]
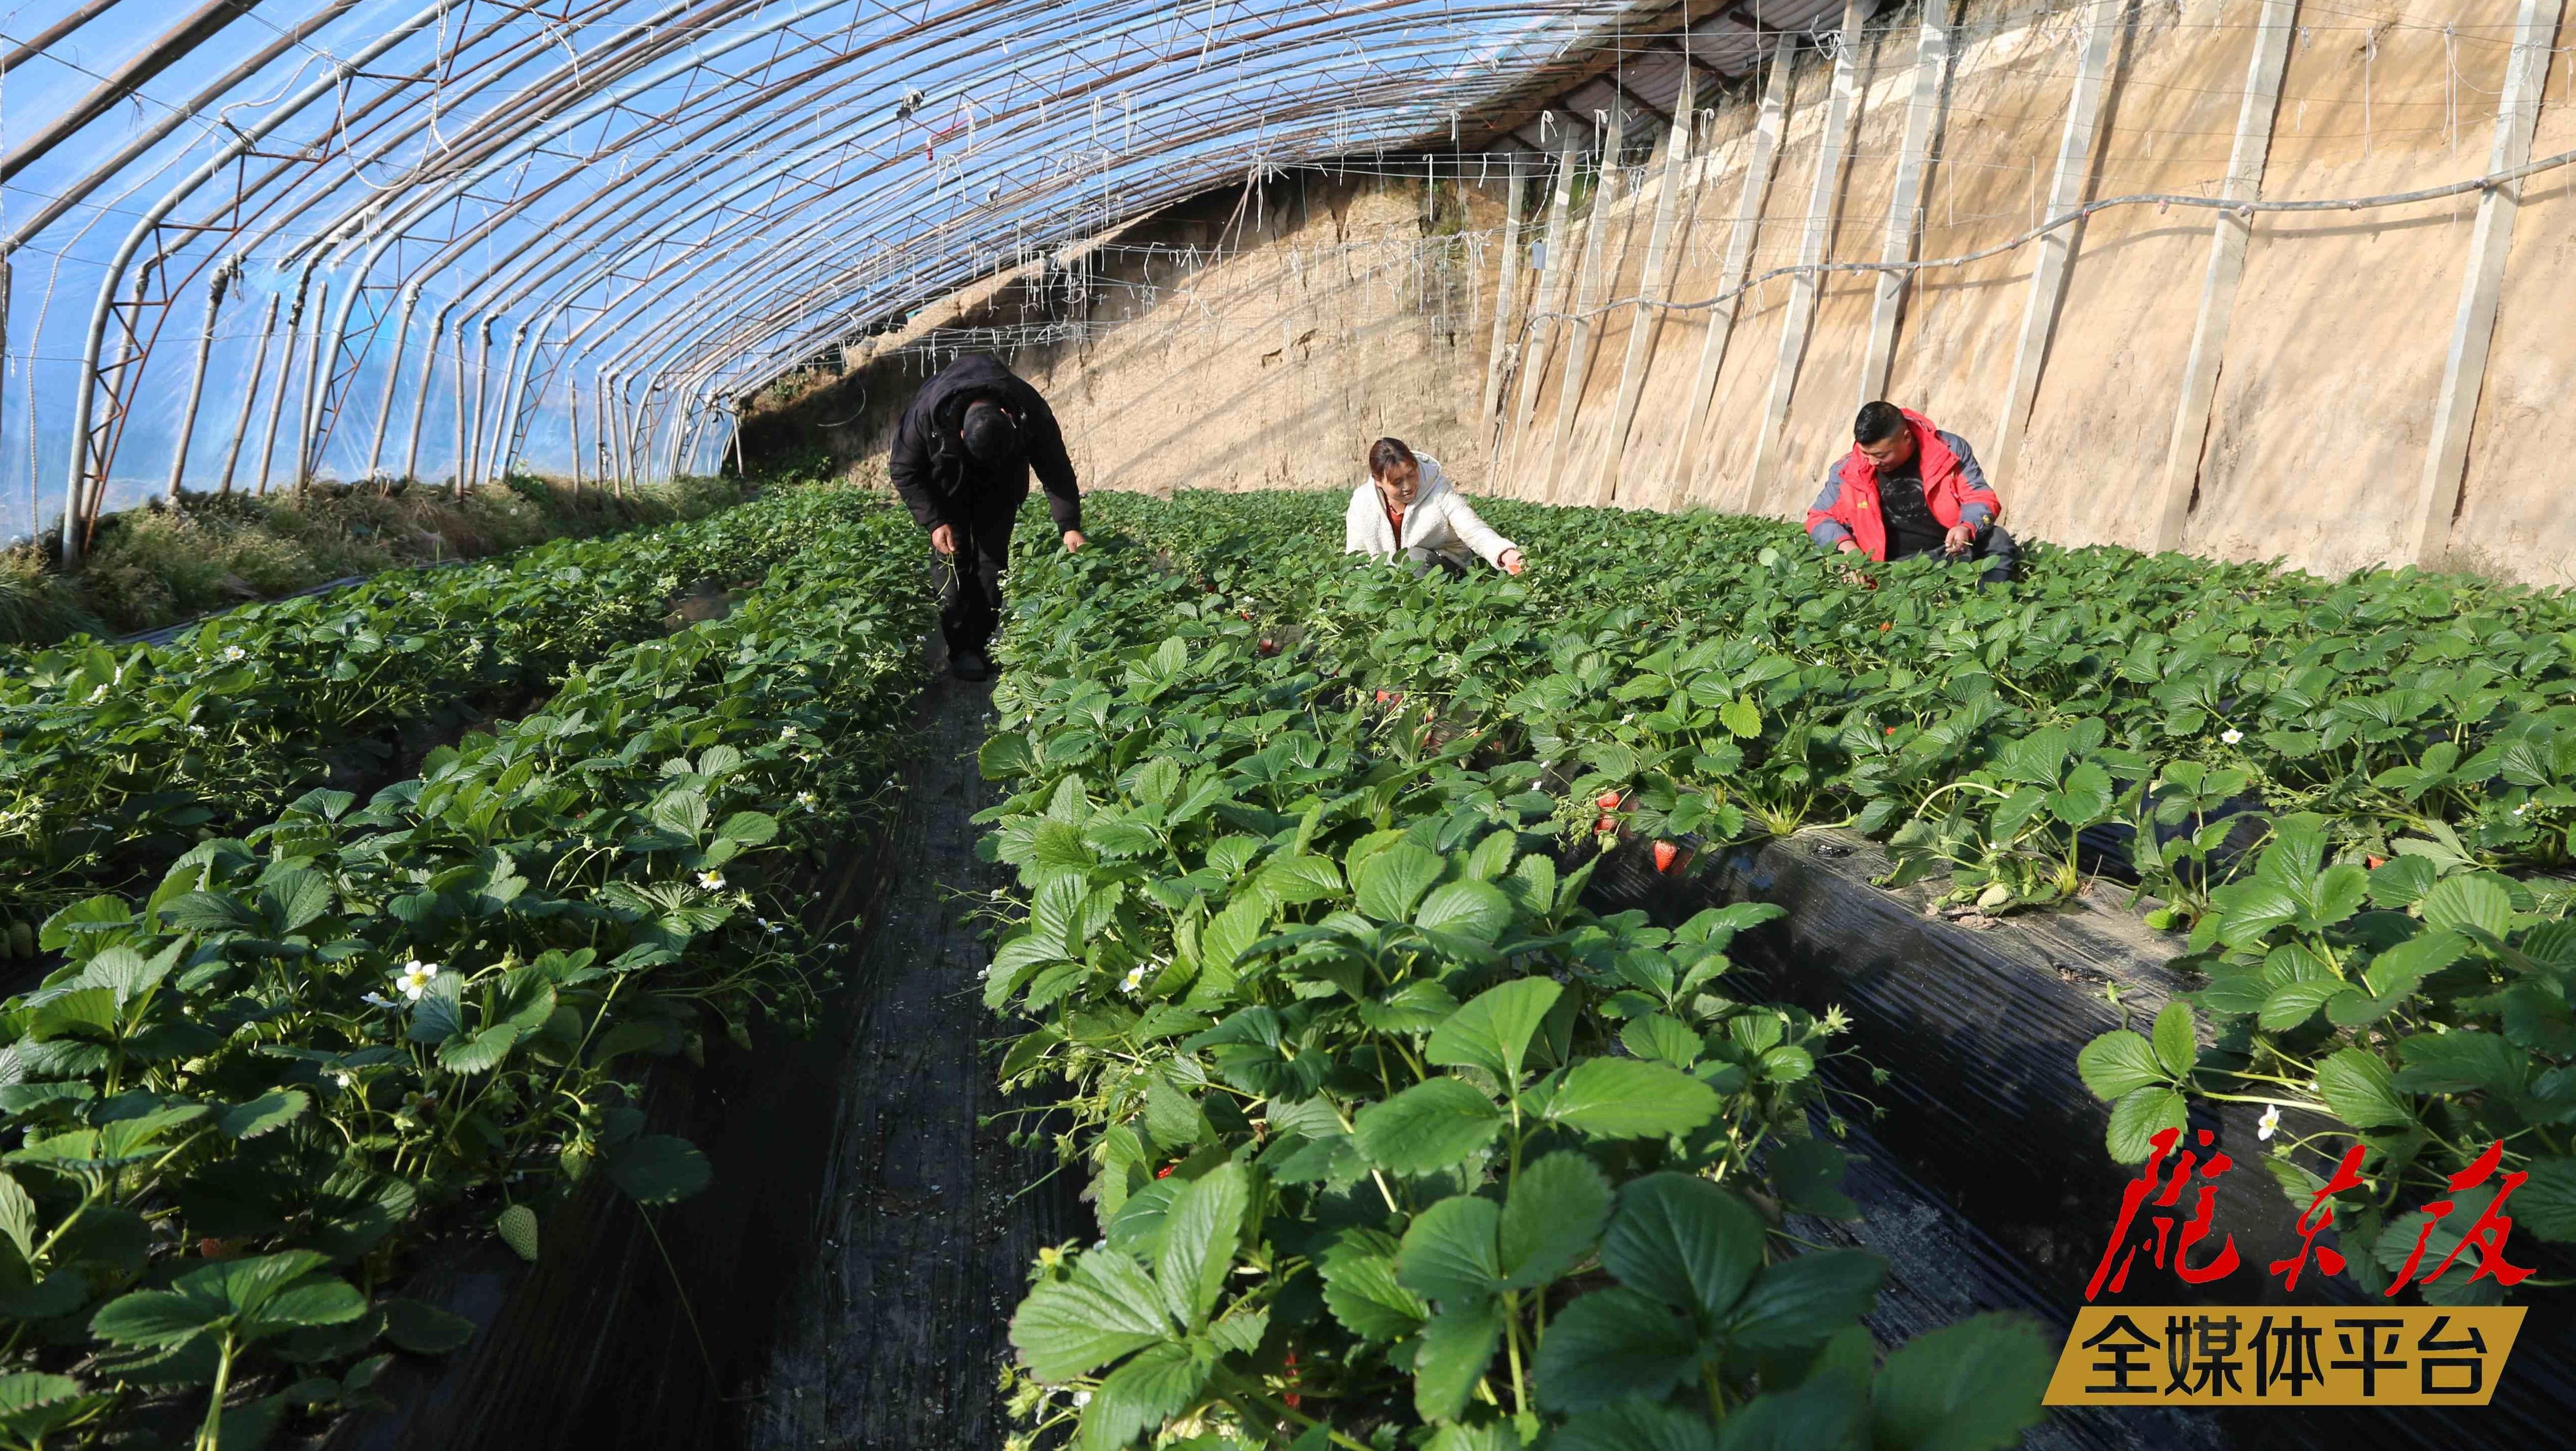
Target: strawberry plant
[
  {"x": 245, "y": 1095},
  {"x": 2176, "y": 722},
  {"x": 1384, "y": 1128},
  {"x": 116, "y": 758}
]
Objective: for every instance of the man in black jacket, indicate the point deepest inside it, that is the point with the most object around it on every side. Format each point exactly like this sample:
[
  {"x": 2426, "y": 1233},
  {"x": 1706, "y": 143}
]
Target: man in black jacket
[{"x": 961, "y": 460}]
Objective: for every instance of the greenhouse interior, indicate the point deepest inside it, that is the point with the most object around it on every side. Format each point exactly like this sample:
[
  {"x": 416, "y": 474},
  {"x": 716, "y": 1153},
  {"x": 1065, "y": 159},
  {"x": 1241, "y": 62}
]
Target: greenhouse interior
[{"x": 689, "y": 757}]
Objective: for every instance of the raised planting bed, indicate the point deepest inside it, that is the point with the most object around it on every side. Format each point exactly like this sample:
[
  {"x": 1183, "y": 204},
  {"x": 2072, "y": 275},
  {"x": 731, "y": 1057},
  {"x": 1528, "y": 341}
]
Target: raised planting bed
[
  {"x": 1966, "y": 1039},
  {"x": 846, "y": 1276},
  {"x": 248, "y": 1097}
]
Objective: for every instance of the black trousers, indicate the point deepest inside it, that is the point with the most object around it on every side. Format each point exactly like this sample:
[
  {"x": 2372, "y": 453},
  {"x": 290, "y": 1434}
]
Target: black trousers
[
  {"x": 1422, "y": 561},
  {"x": 970, "y": 588},
  {"x": 1995, "y": 549}
]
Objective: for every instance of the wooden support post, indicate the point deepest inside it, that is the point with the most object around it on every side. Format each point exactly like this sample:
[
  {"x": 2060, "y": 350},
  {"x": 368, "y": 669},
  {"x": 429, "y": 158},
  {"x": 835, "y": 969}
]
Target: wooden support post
[
  {"x": 2464, "y": 372},
  {"x": 215, "y": 290},
  {"x": 250, "y": 394},
  {"x": 2228, "y": 237},
  {"x": 1655, "y": 285},
  {"x": 1824, "y": 205},
  {"x": 1904, "y": 209},
  {"x": 2048, "y": 271},
  {"x": 1549, "y": 298},
  {"x": 1506, "y": 304},
  {"x": 1761, "y": 164},
  {"x": 1599, "y": 269}
]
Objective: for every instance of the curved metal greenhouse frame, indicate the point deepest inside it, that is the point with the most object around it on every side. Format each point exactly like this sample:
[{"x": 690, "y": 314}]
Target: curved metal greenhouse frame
[{"x": 464, "y": 234}]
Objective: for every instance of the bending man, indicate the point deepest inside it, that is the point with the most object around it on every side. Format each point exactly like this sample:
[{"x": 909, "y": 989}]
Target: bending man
[
  {"x": 1908, "y": 488},
  {"x": 1408, "y": 509},
  {"x": 961, "y": 461}
]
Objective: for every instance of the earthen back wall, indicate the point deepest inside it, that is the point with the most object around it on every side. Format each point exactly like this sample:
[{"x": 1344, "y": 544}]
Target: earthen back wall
[
  {"x": 1222, "y": 345},
  {"x": 1348, "y": 315}
]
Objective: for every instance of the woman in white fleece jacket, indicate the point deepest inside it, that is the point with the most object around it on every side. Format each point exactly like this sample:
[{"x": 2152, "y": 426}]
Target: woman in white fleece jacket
[{"x": 1408, "y": 510}]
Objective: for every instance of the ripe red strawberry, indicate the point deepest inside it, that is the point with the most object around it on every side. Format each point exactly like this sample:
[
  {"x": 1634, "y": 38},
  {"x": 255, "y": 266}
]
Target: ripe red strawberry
[
  {"x": 2375, "y": 862},
  {"x": 1608, "y": 825},
  {"x": 1886, "y": 625},
  {"x": 1888, "y": 731},
  {"x": 1165, "y": 1172},
  {"x": 1665, "y": 855},
  {"x": 1269, "y": 646},
  {"x": 1607, "y": 801}
]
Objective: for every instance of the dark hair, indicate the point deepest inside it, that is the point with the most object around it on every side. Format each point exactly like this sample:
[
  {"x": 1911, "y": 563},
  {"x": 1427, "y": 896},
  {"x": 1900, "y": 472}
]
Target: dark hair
[
  {"x": 1387, "y": 455},
  {"x": 991, "y": 437},
  {"x": 1878, "y": 422}
]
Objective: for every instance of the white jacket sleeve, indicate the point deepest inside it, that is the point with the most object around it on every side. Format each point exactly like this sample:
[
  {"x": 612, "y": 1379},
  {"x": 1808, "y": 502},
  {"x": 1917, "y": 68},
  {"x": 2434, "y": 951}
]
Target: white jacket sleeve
[
  {"x": 1479, "y": 535},
  {"x": 1358, "y": 535}
]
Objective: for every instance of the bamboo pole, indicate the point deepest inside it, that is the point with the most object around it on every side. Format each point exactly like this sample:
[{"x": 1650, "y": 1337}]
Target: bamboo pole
[
  {"x": 393, "y": 373},
  {"x": 1550, "y": 289},
  {"x": 2228, "y": 237},
  {"x": 250, "y": 394},
  {"x": 1656, "y": 286},
  {"x": 464, "y": 460},
  {"x": 420, "y": 401},
  {"x": 308, "y": 442},
  {"x": 285, "y": 376},
  {"x": 1824, "y": 207},
  {"x": 1904, "y": 206},
  {"x": 1506, "y": 299},
  {"x": 1684, "y": 482},
  {"x": 2464, "y": 371},
  {"x": 197, "y": 376},
  {"x": 1596, "y": 270},
  {"x": 2056, "y": 248}
]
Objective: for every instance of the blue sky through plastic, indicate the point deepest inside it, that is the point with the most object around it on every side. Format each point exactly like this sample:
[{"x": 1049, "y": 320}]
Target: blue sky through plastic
[{"x": 653, "y": 200}]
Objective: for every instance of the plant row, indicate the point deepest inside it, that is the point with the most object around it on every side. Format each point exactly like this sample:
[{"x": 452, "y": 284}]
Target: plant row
[
  {"x": 115, "y": 758},
  {"x": 1391, "y": 1140},
  {"x": 246, "y": 1095},
  {"x": 2354, "y": 796}
]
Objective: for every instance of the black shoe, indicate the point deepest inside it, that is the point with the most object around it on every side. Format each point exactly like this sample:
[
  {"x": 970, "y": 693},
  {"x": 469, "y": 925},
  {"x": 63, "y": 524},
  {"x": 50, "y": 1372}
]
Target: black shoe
[{"x": 969, "y": 665}]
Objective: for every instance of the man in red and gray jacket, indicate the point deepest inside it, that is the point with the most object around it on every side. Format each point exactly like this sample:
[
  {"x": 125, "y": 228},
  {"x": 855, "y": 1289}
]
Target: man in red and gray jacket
[{"x": 1908, "y": 488}]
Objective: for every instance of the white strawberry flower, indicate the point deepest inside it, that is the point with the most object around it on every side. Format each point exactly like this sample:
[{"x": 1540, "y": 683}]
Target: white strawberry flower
[
  {"x": 345, "y": 1079},
  {"x": 235, "y": 652},
  {"x": 2231, "y": 735},
  {"x": 415, "y": 978},
  {"x": 1134, "y": 979},
  {"x": 2270, "y": 1122},
  {"x": 805, "y": 799},
  {"x": 711, "y": 881}
]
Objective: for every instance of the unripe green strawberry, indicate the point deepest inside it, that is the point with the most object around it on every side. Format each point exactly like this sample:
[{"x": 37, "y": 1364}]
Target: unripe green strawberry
[{"x": 518, "y": 1229}]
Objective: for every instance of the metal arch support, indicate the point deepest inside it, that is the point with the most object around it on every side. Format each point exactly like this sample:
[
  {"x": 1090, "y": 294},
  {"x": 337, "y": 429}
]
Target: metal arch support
[{"x": 84, "y": 403}]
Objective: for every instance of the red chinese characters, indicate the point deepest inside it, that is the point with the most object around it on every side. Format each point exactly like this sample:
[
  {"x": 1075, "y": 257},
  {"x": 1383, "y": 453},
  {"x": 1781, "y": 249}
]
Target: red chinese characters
[
  {"x": 2165, "y": 1192},
  {"x": 2318, "y": 1217},
  {"x": 2488, "y": 1233}
]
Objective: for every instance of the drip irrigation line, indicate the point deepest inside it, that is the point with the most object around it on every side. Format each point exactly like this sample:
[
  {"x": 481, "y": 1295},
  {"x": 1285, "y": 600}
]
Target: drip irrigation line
[{"x": 2068, "y": 219}]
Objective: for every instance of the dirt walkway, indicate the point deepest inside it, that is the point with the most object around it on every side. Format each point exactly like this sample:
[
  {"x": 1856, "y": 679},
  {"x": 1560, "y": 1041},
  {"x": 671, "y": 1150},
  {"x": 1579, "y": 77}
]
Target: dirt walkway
[{"x": 896, "y": 1330}]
